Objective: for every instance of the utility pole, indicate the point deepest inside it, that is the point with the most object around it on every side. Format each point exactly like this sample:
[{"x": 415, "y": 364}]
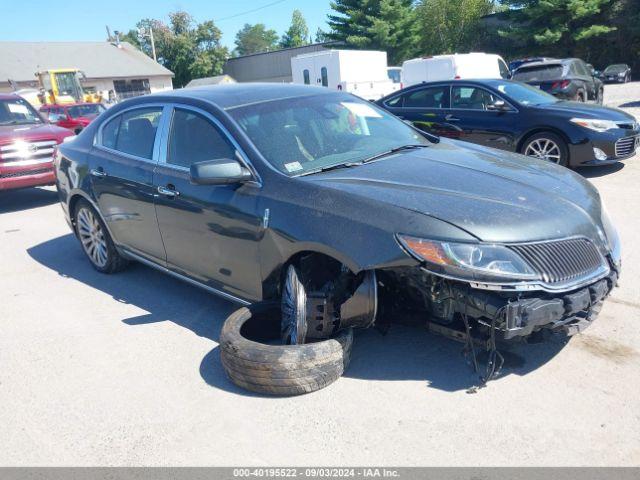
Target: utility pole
[{"x": 142, "y": 33}]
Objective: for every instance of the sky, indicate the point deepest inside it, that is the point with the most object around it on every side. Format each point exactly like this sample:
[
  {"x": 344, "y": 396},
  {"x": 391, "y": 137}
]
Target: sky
[{"x": 78, "y": 20}]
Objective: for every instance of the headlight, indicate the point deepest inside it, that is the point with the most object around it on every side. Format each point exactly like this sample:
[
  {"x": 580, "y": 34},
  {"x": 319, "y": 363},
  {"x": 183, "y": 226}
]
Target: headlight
[
  {"x": 595, "y": 124},
  {"x": 469, "y": 261}
]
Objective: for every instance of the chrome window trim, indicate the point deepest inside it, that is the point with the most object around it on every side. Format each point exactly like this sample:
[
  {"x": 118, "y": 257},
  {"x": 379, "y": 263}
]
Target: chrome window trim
[
  {"x": 452, "y": 86},
  {"x": 165, "y": 131},
  {"x": 97, "y": 140}
]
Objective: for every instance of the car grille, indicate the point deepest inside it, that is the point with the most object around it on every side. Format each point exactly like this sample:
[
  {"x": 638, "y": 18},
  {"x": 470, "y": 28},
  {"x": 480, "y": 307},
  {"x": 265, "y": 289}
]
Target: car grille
[
  {"x": 27, "y": 153},
  {"x": 25, "y": 173},
  {"x": 563, "y": 261},
  {"x": 625, "y": 146}
]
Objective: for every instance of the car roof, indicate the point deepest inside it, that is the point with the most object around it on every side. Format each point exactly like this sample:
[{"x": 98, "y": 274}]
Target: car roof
[
  {"x": 491, "y": 82},
  {"x": 9, "y": 96},
  {"x": 234, "y": 95},
  {"x": 545, "y": 63}
]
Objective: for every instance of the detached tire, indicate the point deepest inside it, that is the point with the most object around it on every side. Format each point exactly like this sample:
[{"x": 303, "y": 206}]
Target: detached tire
[{"x": 277, "y": 369}]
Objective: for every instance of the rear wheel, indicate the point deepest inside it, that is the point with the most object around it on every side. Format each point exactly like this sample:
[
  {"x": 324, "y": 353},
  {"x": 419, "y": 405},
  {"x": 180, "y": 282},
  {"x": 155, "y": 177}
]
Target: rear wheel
[
  {"x": 580, "y": 96},
  {"x": 547, "y": 146},
  {"x": 96, "y": 241}
]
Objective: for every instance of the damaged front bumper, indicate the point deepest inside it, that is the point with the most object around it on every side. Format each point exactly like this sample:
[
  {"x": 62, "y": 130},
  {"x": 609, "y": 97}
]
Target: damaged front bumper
[{"x": 520, "y": 316}]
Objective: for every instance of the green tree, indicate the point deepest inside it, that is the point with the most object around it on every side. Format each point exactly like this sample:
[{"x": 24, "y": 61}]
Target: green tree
[
  {"x": 321, "y": 36},
  {"x": 188, "y": 49},
  {"x": 375, "y": 25},
  {"x": 555, "y": 26},
  {"x": 298, "y": 33},
  {"x": 255, "y": 39},
  {"x": 447, "y": 26}
]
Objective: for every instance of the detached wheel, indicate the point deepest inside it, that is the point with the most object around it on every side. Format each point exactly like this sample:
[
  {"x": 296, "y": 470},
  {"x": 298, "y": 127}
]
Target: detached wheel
[
  {"x": 293, "y": 325},
  {"x": 96, "y": 241},
  {"x": 253, "y": 361},
  {"x": 547, "y": 146}
]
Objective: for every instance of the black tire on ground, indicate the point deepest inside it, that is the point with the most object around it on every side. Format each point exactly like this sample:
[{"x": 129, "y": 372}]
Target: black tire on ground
[
  {"x": 541, "y": 136},
  {"x": 113, "y": 261},
  {"x": 277, "y": 369}
]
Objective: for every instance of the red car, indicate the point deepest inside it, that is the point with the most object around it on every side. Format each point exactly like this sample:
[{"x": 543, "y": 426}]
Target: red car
[
  {"x": 74, "y": 116},
  {"x": 27, "y": 145}
]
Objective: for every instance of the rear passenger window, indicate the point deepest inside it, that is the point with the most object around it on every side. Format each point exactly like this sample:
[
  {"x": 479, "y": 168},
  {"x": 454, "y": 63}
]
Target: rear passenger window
[
  {"x": 133, "y": 132},
  {"x": 435, "y": 97},
  {"x": 110, "y": 133},
  {"x": 194, "y": 139}
]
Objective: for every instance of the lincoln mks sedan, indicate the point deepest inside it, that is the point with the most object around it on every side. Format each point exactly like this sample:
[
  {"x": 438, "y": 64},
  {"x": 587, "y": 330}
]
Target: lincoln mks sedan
[{"x": 338, "y": 210}]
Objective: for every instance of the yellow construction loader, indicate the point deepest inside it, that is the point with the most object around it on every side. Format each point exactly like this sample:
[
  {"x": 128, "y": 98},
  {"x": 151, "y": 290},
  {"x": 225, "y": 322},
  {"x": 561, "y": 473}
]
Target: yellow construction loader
[{"x": 62, "y": 86}]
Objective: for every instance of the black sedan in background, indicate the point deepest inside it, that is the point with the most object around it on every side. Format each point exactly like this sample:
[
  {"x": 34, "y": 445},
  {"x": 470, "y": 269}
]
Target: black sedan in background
[
  {"x": 517, "y": 117},
  {"x": 568, "y": 79},
  {"x": 618, "y": 73}
]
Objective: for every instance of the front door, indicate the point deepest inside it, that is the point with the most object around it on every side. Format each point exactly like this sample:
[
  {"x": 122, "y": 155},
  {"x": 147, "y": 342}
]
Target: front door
[
  {"x": 471, "y": 118},
  {"x": 122, "y": 163},
  {"x": 210, "y": 232}
]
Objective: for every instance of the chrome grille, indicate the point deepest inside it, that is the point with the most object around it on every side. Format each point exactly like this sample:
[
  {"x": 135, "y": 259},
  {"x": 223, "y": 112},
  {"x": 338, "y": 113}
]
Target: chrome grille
[
  {"x": 25, "y": 173},
  {"x": 563, "y": 260},
  {"x": 20, "y": 154},
  {"x": 625, "y": 146}
]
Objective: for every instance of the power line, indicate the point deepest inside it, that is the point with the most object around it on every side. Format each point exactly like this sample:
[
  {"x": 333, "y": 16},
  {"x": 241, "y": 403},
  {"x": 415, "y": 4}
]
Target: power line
[{"x": 249, "y": 11}]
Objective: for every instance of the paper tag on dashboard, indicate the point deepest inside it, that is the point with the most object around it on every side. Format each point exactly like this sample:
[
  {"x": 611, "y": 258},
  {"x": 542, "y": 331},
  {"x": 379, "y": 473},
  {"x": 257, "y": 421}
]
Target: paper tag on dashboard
[
  {"x": 17, "y": 108},
  {"x": 293, "y": 167}
]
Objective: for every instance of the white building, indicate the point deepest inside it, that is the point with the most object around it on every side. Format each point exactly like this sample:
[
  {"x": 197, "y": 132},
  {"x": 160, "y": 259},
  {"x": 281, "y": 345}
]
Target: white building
[{"x": 107, "y": 66}]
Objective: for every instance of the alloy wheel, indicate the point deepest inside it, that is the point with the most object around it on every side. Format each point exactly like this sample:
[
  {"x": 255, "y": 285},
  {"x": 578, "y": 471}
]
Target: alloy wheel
[
  {"x": 92, "y": 237},
  {"x": 544, "y": 149},
  {"x": 294, "y": 309}
]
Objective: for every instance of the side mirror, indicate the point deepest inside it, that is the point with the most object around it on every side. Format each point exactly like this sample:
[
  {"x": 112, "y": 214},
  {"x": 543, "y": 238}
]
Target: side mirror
[
  {"x": 222, "y": 171},
  {"x": 498, "y": 105}
]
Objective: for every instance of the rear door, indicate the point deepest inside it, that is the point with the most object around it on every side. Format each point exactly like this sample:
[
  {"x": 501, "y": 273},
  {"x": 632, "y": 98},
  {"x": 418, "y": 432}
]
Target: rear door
[
  {"x": 471, "y": 119},
  {"x": 425, "y": 107},
  {"x": 121, "y": 166},
  {"x": 210, "y": 232}
]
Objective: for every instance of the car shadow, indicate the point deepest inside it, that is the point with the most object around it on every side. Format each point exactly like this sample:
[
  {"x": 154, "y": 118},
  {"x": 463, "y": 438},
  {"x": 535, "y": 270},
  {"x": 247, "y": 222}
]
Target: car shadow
[
  {"x": 164, "y": 298},
  {"x": 633, "y": 104},
  {"x": 25, "y": 199},
  {"x": 405, "y": 353},
  {"x": 601, "y": 171},
  {"x": 412, "y": 353}
]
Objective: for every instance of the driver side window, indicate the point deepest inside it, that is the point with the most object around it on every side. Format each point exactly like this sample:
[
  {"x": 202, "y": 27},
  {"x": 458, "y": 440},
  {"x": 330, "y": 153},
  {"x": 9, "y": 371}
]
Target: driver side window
[
  {"x": 471, "y": 98},
  {"x": 193, "y": 138}
]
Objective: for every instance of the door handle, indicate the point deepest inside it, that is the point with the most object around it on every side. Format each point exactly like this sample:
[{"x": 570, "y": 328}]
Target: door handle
[
  {"x": 451, "y": 118},
  {"x": 169, "y": 192},
  {"x": 98, "y": 172}
]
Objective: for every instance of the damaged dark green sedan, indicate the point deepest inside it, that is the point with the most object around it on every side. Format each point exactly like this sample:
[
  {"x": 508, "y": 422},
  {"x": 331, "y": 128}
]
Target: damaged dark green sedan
[{"x": 341, "y": 213}]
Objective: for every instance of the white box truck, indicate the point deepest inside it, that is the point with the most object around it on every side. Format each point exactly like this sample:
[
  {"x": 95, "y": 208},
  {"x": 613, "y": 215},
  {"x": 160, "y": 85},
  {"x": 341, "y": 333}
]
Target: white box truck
[
  {"x": 464, "y": 66},
  {"x": 361, "y": 72}
]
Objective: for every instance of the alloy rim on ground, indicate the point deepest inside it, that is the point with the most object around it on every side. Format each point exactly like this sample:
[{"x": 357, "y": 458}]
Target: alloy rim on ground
[{"x": 294, "y": 314}]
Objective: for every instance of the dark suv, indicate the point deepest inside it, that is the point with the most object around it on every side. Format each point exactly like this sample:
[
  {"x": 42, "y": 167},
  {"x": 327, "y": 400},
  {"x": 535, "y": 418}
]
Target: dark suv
[
  {"x": 568, "y": 79},
  {"x": 338, "y": 208}
]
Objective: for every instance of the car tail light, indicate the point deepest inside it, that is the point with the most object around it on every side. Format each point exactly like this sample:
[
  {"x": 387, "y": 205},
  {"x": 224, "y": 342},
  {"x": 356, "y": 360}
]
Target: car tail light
[
  {"x": 560, "y": 85},
  {"x": 457, "y": 77}
]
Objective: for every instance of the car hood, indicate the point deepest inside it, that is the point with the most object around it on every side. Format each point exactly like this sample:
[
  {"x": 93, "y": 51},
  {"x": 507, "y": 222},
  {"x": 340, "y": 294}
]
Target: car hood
[
  {"x": 35, "y": 131},
  {"x": 587, "y": 110},
  {"x": 494, "y": 196}
]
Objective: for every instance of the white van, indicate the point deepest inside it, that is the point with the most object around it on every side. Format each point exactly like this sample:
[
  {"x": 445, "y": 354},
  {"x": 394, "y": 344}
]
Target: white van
[
  {"x": 464, "y": 66},
  {"x": 361, "y": 72}
]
